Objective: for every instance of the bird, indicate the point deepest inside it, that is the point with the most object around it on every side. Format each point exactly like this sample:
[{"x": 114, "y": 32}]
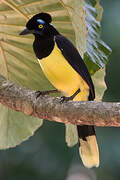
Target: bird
[{"x": 65, "y": 69}]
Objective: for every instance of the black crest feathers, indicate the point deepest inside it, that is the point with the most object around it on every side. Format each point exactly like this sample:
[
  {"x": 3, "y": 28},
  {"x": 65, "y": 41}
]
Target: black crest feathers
[{"x": 44, "y": 16}]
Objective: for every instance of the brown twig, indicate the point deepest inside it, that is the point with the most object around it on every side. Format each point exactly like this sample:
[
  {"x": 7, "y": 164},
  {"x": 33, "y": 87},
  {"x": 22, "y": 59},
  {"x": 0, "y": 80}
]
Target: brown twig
[{"x": 50, "y": 108}]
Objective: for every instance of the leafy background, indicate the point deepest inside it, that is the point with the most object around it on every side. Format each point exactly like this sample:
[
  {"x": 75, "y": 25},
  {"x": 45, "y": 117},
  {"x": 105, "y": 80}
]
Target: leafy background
[
  {"x": 18, "y": 60},
  {"x": 44, "y": 156}
]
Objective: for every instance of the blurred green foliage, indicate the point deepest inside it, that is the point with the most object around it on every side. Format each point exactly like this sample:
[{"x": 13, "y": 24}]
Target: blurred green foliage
[
  {"x": 109, "y": 137},
  {"x": 45, "y": 156}
]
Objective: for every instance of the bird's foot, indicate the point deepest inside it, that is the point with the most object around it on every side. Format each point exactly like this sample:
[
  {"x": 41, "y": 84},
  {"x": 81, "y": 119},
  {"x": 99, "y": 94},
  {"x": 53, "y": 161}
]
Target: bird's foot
[
  {"x": 42, "y": 93},
  {"x": 70, "y": 98},
  {"x": 39, "y": 93},
  {"x": 65, "y": 99}
]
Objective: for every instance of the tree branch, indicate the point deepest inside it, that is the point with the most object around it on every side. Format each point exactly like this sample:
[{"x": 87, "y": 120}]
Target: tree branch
[{"x": 50, "y": 108}]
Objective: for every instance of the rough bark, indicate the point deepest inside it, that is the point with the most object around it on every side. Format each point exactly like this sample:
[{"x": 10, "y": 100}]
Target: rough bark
[{"x": 50, "y": 108}]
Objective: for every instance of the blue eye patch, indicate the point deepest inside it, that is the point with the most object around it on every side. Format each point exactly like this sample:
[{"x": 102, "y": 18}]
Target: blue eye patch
[{"x": 41, "y": 21}]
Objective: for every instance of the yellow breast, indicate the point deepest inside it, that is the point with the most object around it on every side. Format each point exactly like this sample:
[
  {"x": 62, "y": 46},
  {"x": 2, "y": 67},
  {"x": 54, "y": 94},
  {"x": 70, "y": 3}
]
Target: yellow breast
[{"x": 61, "y": 74}]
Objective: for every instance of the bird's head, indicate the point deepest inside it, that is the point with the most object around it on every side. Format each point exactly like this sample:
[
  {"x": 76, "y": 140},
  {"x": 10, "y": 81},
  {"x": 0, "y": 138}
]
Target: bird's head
[{"x": 39, "y": 24}]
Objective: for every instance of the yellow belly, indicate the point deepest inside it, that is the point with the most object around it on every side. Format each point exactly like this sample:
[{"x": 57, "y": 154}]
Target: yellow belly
[{"x": 63, "y": 77}]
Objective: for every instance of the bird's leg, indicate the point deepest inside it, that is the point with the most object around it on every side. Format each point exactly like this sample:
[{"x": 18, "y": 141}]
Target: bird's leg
[
  {"x": 64, "y": 98},
  {"x": 39, "y": 93}
]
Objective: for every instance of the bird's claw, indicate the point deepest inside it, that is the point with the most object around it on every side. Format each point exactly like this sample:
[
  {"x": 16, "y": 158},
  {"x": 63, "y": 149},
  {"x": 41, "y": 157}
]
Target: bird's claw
[
  {"x": 65, "y": 99},
  {"x": 39, "y": 93}
]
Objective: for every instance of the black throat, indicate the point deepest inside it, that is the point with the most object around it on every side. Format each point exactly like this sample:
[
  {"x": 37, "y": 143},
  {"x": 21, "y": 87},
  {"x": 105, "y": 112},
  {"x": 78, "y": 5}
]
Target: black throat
[{"x": 43, "y": 45}]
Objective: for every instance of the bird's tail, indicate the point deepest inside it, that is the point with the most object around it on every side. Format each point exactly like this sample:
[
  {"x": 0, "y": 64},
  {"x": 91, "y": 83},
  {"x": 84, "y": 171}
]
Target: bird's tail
[{"x": 88, "y": 147}]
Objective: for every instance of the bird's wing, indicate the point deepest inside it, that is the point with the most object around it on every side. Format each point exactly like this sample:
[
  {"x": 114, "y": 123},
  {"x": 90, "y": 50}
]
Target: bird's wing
[{"x": 74, "y": 59}]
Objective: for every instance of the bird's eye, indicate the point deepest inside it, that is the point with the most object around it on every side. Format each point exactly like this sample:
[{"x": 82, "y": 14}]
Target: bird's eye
[{"x": 40, "y": 26}]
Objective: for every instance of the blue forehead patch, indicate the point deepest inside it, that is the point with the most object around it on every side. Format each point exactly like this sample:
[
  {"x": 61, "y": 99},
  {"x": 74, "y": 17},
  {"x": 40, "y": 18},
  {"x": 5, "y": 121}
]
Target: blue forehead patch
[{"x": 40, "y": 21}]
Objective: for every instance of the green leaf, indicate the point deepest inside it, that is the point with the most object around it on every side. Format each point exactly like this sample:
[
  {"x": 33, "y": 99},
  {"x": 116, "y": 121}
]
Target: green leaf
[
  {"x": 71, "y": 136},
  {"x": 97, "y": 52},
  {"x": 99, "y": 83},
  {"x": 18, "y": 62},
  {"x": 15, "y": 127}
]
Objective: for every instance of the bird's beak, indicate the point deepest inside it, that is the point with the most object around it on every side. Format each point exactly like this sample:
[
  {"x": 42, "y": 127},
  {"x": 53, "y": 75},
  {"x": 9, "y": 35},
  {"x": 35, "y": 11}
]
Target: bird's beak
[{"x": 26, "y": 31}]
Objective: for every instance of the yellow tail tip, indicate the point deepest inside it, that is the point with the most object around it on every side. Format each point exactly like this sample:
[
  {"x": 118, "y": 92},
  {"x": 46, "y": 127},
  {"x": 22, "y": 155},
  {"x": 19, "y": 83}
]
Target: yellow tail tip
[{"x": 89, "y": 152}]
